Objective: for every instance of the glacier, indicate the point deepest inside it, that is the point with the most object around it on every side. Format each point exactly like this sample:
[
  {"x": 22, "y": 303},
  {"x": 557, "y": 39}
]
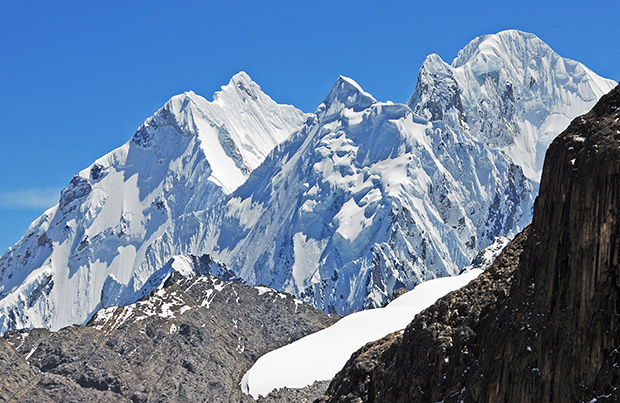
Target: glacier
[
  {"x": 340, "y": 207},
  {"x": 320, "y": 355}
]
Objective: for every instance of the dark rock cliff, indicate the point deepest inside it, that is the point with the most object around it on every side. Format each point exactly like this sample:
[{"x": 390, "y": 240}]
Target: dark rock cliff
[{"x": 542, "y": 323}]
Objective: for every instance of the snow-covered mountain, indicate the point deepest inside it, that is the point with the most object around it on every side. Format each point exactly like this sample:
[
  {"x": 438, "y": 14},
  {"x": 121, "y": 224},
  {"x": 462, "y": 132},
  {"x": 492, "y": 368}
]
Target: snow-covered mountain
[
  {"x": 510, "y": 90},
  {"x": 366, "y": 198},
  {"x": 339, "y": 208},
  {"x": 95, "y": 246}
]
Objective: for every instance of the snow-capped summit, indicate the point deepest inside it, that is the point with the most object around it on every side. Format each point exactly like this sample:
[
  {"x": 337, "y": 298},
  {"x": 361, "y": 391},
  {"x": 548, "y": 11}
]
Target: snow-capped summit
[
  {"x": 348, "y": 94},
  {"x": 237, "y": 130},
  {"x": 104, "y": 239},
  {"x": 510, "y": 90}
]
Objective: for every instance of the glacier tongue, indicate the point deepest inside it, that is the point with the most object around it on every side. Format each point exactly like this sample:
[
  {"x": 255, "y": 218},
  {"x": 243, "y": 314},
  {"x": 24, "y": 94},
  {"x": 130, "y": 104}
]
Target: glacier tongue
[
  {"x": 510, "y": 90},
  {"x": 109, "y": 232},
  {"x": 340, "y": 207}
]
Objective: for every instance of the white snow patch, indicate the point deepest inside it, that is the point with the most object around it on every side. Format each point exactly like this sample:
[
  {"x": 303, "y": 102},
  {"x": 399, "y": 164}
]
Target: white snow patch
[
  {"x": 183, "y": 265},
  {"x": 30, "y": 353},
  {"x": 321, "y": 355},
  {"x": 208, "y": 298},
  {"x": 103, "y": 316},
  {"x": 262, "y": 289},
  {"x": 351, "y": 220}
]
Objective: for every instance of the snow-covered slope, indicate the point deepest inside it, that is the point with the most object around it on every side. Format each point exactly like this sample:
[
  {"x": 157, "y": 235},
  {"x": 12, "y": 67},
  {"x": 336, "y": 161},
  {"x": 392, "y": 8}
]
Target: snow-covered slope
[
  {"x": 510, "y": 90},
  {"x": 95, "y": 246},
  {"x": 321, "y": 355},
  {"x": 366, "y": 198}
]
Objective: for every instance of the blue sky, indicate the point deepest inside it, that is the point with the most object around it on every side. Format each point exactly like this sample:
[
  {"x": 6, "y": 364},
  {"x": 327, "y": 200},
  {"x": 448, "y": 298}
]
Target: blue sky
[{"x": 78, "y": 78}]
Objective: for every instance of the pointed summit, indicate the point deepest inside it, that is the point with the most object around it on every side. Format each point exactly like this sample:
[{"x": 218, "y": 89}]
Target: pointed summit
[
  {"x": 436, "y": 96},
  {"x": 242, "y": 88},
  {"x": 348, "y": 94},
  {"x": 116, "y": 218}
]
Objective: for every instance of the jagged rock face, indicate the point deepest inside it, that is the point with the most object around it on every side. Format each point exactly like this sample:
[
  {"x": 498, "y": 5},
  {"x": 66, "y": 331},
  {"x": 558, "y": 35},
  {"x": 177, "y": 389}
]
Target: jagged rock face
[
  {"x": 551, "y": 333},
  {"x": 575, "y": 300},
  {"x": 189, "y": 341}
]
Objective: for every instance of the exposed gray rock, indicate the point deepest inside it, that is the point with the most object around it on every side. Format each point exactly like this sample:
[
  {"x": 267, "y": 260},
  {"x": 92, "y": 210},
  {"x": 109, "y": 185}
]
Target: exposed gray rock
[
  {"x": 301, "y": 395},
  {"x": 191, "y": 340}
]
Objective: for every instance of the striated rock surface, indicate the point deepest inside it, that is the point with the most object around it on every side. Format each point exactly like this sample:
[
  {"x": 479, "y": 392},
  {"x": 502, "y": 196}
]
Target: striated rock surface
[{"x": 542, "y": 323}]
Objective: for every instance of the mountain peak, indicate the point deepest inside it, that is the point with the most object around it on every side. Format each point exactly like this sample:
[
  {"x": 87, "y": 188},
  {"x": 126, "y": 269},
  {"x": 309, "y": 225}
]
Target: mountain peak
[
  {"x": 190, "y": 154},
  {"x": 240, "y": 87},
  {"x": 433, "y": 59},
  {"x": 241, "y": 76},
  {"x": 503, "y": 43},
  {"x": 349, "y": 94},
  {"x": 509, "y": 90}
]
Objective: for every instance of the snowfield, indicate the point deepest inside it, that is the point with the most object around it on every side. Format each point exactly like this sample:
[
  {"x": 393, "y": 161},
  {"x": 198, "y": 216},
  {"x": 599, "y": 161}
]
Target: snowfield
[{"x": 321, "y": 355}]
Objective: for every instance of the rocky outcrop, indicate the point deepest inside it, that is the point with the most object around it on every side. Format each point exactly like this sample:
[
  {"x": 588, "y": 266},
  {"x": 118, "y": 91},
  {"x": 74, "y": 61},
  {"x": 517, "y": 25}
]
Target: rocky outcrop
[
  {"x": 189, "y": 341},
  {"x": 542, "y": 323},
  {"x": 299, "y": 395}
]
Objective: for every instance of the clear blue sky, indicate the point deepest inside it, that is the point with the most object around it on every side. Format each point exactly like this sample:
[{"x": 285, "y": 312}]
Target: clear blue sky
[{"x": 77, "y": 78}]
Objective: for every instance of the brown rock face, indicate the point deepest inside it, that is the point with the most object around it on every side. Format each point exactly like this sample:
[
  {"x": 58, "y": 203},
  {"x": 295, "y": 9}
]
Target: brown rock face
[
  {"x": 541, "y": 325},
  {"x": 572, "y": 260}
]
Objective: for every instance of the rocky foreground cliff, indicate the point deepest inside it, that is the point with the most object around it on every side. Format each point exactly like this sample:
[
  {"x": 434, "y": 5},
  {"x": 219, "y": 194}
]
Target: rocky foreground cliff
[
  {"x": 541, "y": 325},
  {"x": 190, "y": 340}
]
